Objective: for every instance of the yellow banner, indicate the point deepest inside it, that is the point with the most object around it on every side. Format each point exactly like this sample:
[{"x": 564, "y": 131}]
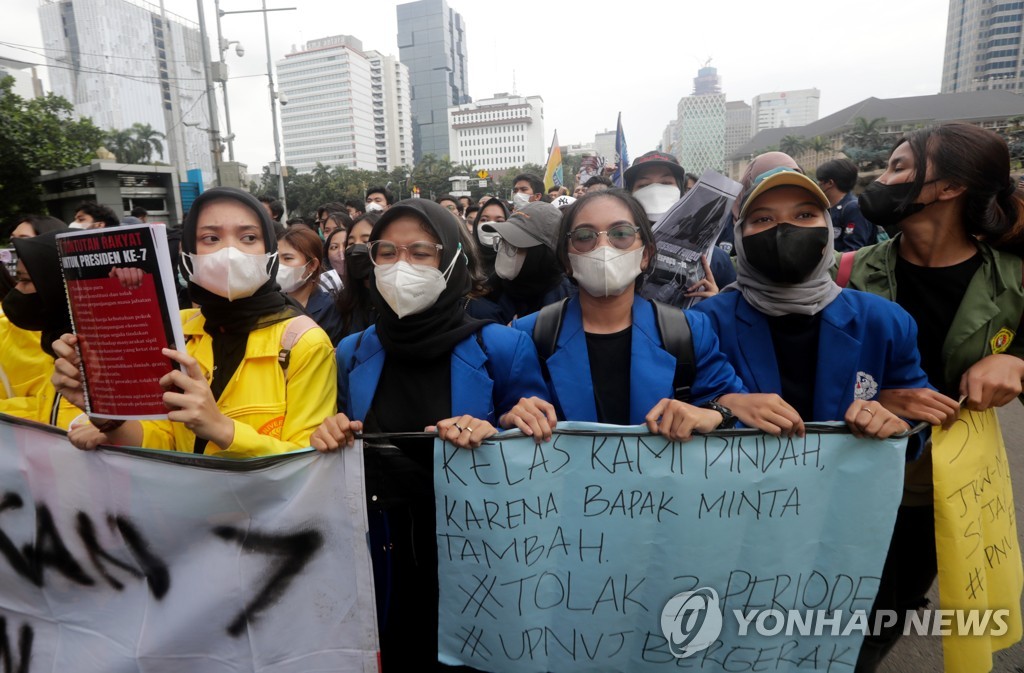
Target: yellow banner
[{"x": 976, "y": 536}]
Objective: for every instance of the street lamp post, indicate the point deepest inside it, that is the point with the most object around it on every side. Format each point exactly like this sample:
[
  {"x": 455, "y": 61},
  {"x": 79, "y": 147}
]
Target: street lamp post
[
  {"x": 274, "y": 96},
  {"x": 223, "y": 45}
]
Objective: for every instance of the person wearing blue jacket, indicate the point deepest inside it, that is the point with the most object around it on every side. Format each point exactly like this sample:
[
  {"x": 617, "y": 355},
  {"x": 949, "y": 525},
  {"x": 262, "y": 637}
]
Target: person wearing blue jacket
[
  {"x": 424, "y": 365},
  {"x": 807, "y": 349},
  {"x": 609, "y": 364}
]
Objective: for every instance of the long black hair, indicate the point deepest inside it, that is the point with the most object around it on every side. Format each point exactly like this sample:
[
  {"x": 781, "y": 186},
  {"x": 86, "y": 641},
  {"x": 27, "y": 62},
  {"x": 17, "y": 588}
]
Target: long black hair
[{"x": 979, "y": 161}]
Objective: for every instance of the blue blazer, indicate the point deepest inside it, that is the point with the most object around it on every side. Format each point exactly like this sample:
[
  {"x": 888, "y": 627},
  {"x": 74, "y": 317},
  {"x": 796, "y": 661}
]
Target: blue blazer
[
  {"x": 866, "y": 344},
  {"x": 486, "y": 382},
  {"x": 651, "y": 368}
]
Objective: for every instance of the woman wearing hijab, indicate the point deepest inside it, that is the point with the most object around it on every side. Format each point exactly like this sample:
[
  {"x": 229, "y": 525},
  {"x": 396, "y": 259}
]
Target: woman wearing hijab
[
  {"x": 424, "y": 364},
  {"x": 492, "y": 210},
  {"x": 808, "y": 350},
  {"x": 609, "y": 362},
  {"x": 233, "y": 395},
  {"x": 37, "y": 311},
  {"x": 527, "y": 275}
]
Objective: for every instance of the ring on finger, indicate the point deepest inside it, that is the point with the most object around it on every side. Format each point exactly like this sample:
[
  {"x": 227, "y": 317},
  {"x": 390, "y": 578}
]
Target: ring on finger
[
  {"x": 469, "y": 429},
  {"x": 459, "y": 427},
  {"x": 869, "y": 410}
]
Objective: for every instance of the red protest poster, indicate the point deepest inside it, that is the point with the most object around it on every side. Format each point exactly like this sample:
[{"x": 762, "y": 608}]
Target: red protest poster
[{"x": 120, "y": 287}]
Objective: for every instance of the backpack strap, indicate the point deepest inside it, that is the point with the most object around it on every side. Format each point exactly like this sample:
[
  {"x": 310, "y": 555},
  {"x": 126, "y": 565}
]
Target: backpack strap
[
  {"x": 845, "y": 268},
  {"x": 548, "y": 327},
  {"x": 677, "y": 339},
  {"x": 292, "y": 333}
]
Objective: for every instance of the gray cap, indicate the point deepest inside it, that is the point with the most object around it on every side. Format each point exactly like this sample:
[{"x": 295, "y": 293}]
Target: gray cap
[{"x": 534, "y": 224}]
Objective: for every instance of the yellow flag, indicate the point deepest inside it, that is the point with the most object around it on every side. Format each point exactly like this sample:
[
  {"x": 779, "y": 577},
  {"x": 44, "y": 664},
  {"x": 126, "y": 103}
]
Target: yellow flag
[
  {"x": 553, "y": 174},
  {"x": 976, "y": 537}
]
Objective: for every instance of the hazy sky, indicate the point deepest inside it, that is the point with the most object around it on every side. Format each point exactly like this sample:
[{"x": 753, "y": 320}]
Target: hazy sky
[{"x": 598, "y": 58}]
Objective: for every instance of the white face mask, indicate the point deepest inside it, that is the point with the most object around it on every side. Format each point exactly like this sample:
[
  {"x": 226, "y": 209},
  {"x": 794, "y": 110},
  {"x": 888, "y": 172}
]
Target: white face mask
[
  {"x": 519, "y": 200},
  {"x": 372, "y": 206},
  {"x": 606, "y": 271},
  {"x": 412, "y": 288},
  {"x": 508, "y": 267},
  {"x": 290, "y": 278},
  {"x": 229, "y": 272},
  {"x": 657, "y": 198},
  {"x": 488, "y": 234},
  {"x": 74, "y": 224}
]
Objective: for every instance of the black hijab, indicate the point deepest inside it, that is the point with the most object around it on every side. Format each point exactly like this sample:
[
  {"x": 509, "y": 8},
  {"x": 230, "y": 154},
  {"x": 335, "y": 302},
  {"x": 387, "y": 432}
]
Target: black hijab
[
  {"x": 230, "y": 322},
  {"x": 435, "y": 331},
  {"x": 42, "y": 262},
  {"x": 268, "y": 305},
  {"x": 487, "y": 252}
]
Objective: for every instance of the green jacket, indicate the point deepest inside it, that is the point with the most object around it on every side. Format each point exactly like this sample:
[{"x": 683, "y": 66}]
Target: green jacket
[
  {"x": 989, "y": 315},
  {"x": 986, "y": 322}
]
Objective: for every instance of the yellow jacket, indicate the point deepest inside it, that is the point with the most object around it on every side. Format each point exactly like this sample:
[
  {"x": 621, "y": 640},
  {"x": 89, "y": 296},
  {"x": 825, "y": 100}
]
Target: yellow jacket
[
  {"x": 24, "y": 367},
  {"x": 271, "y": 415},
  {"x": 25, "y": 371}
]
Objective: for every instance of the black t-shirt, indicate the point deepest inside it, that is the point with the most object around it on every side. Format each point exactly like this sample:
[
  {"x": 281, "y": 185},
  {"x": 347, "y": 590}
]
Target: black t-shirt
[
  {"x": 610, "y": 356},
  {"x": 932, "y": 295},
  {"x": 795, "y": 340}
]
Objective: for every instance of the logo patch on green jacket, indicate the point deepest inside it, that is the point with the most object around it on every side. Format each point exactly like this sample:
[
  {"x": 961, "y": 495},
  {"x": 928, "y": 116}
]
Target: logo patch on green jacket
[{"x": 1002, "y": 340}]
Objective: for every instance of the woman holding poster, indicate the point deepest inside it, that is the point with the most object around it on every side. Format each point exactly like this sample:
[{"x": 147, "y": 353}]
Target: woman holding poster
[
  {"x": 955, "y": 266},
  {"x": 425, "y": 364},
  {"x": 234, "y": 395}
]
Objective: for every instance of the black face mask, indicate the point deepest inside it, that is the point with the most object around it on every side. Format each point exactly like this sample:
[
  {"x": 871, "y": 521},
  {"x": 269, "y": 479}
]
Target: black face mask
[
  {"x": 25, "y": 311},
  {"x": 786, "y": 253},
  {"x": 357, "y": 261},
  {"x": 882, "y": 204}
]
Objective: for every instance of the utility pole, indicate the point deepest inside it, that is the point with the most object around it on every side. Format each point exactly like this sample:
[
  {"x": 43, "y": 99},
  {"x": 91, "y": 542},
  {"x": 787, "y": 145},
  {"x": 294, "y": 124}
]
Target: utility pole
[
  {"x": 211, "y": 94},
  {"x": 273, "y": 94},
  {"x": 224, "y": 85}
]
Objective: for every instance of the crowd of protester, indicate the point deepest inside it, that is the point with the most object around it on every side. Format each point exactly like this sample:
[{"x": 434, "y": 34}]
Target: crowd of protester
[{"x": 460, "y": 319}]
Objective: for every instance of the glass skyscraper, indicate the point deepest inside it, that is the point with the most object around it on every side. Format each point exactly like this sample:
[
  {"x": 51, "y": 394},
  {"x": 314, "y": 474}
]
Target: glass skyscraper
[{"x": 432, "y": 44}]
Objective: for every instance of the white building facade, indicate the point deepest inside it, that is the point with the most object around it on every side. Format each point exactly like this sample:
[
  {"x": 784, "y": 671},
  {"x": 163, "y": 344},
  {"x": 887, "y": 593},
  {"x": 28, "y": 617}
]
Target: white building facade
[
  {"x": 498, "y": 133},
  {"x": 700, "y": 124},
  {"x": 392, "y": 111},
  {"x": 784, "y": 109},
  {"x": 329, "y": 115},
  {"x": 122, "y": 63}
]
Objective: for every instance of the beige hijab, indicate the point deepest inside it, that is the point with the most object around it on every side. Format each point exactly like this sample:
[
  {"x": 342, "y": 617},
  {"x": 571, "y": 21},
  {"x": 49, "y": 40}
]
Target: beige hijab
[{"x": 762, "y": 163}]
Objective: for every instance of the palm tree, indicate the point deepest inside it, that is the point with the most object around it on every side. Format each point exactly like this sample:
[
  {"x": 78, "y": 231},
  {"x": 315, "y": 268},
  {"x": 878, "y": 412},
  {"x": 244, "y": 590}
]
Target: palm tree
[
  {"x": 866, "y": 134},
  {"x": 792, "y": 145},
  {"x": 818, "y": 145},
  {"x": 122, "y": 144},
  {"x": 148, "y": 140}
]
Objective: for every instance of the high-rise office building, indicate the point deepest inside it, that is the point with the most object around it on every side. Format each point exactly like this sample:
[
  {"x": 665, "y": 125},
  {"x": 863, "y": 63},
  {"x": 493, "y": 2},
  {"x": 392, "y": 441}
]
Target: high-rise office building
[
  {"x": 700, "y": 123},
  {"x": 432, "y": 44},
  {"x": 122, "y": 63},
  {"x": 983, "y": 46},
  {"x": 392, "y": 111},
  {"x": 738, "y": 128},
  {"x": 780, "y": 109},
  {"x": 499, "y": 133},
  {"x": 26, "y": 79},
  {"x": 329, "y": 118}
]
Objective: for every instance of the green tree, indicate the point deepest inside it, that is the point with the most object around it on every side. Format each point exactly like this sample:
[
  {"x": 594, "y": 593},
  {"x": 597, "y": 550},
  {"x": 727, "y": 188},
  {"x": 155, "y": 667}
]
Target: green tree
[
  {"x": 147, "y": 140},
  {"x": 793, "y": 145},
  {"x": 122, "y": 143},
  {"x": 865, "y": 143},
  {"x": 35, "y": 135},
  {"x": 819, "y": 146}
]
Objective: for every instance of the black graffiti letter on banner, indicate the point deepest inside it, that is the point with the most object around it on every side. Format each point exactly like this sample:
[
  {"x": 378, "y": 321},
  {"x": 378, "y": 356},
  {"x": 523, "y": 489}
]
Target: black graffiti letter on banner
[
  {"x": 295, "y": 550},
  {"x": 25, "y": 638},
  {"x": 49, "y": 549}
]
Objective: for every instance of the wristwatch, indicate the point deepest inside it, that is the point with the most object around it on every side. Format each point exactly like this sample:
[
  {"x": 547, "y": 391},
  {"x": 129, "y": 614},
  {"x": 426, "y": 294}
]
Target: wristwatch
[{"x": 729, "y": 419}]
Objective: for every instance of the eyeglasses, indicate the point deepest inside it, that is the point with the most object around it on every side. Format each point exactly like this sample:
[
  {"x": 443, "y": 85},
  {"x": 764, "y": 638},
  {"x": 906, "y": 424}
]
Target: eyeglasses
[
  {"x": 584, "y": 239},
  {"x": 383, "y": 253}
]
